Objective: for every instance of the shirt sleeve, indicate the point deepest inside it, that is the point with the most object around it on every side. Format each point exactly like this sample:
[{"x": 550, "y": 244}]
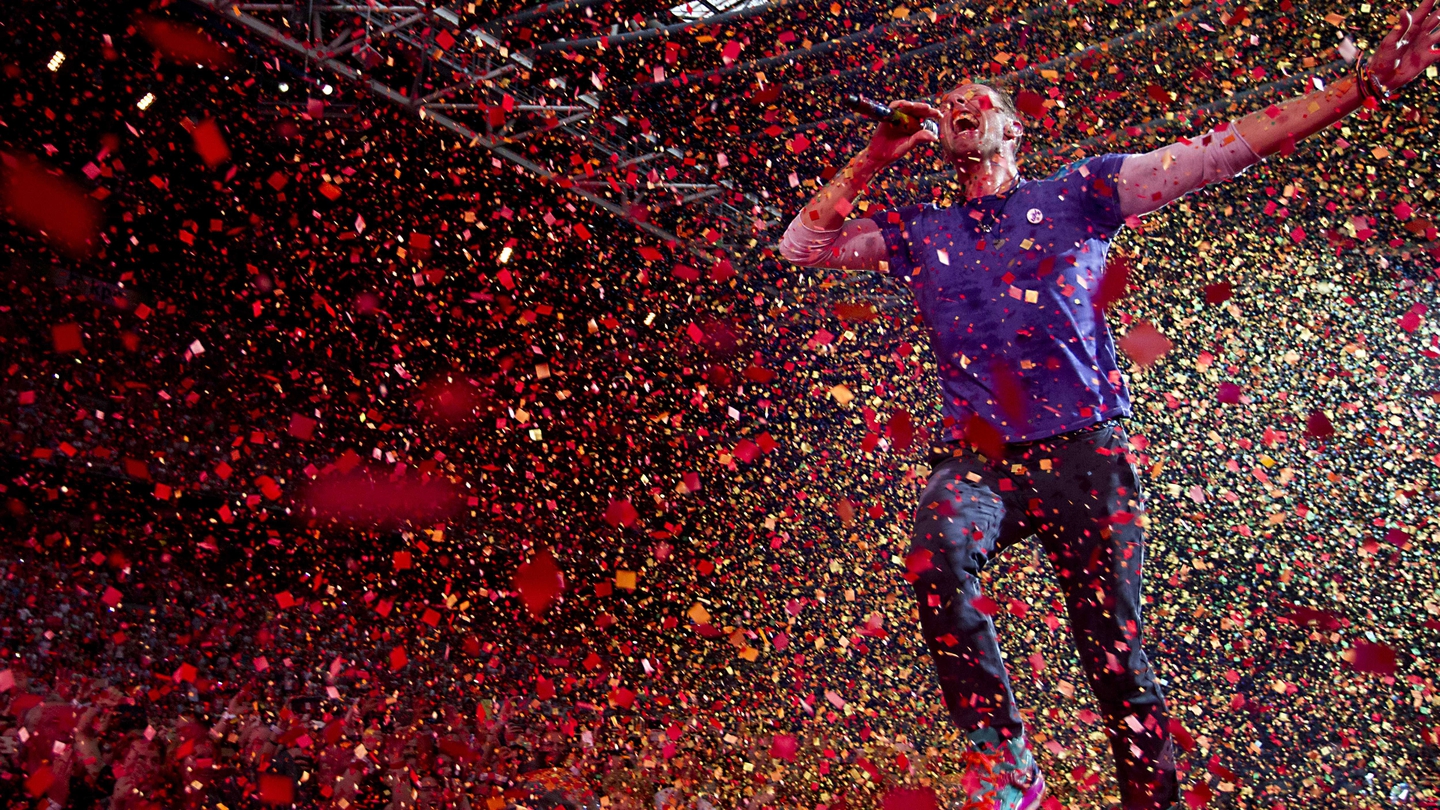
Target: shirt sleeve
[
  {"x": 894, "y": 225},
  {"x": 1098, "y": 180}
]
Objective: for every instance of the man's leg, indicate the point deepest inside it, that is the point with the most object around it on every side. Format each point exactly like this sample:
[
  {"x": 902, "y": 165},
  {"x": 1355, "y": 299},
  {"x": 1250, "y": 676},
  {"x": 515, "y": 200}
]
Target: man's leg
[
  {"x": 962, "y": 522},
  {"x": 1090, "y": 504}
]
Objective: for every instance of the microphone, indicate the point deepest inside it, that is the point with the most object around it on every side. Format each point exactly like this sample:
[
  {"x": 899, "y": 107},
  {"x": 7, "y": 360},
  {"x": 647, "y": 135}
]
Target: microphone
[{"x": 876, "y": 111}]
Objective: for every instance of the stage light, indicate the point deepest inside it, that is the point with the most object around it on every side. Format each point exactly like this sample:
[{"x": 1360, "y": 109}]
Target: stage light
[
  {"x": 55, "y": 61},
  {"x": 284, "y": 88},
  {"x": 145, "y": 101},
  {"x": 327, "y": 89}
]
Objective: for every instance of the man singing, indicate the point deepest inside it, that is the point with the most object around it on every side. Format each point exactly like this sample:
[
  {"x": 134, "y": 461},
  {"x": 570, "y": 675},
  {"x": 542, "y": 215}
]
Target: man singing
[{"x": 1032, "y": 442}]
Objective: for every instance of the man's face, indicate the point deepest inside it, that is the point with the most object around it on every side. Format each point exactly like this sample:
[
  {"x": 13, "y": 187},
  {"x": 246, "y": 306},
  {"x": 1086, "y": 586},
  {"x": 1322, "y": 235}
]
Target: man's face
[{"x": 972, "y": 123}]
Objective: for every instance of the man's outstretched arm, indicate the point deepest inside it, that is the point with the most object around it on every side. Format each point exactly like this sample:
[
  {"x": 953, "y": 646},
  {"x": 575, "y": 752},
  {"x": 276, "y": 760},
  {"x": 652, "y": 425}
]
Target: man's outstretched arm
[
  {"x": 1151, "y": 180},
  {"x": 820, "y": 236},
  {"x": 1407, "y": 50}
]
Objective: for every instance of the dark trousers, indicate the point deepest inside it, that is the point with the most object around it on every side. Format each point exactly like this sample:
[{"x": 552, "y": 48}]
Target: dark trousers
[{"x": 1080, "y": 495}]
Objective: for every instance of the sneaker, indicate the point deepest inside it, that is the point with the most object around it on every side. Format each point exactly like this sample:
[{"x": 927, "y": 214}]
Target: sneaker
[{"x": 1014, "y": 781}]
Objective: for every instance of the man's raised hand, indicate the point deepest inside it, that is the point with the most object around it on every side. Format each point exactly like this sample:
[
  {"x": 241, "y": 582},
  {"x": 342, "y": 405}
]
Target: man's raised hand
[
  {"x": 889, "y": 143},
  {"x": 1409, "y": 48}
]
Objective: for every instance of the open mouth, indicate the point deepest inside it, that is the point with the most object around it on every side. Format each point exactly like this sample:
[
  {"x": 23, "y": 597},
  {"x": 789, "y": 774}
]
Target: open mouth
[{"x": 963, "y": 123}]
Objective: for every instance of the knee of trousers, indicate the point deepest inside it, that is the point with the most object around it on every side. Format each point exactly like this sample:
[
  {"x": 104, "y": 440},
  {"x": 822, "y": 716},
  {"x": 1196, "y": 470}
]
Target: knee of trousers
[{"x": 1124, "y": 691}]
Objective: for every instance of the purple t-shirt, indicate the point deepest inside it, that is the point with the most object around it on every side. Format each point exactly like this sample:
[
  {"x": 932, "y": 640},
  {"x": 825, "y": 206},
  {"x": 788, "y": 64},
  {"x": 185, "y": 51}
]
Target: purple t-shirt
[{"x": 1015, "y": 336}]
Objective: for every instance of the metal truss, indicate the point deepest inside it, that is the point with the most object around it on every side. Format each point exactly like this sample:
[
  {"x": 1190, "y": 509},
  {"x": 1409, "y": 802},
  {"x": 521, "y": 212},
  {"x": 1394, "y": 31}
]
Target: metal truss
[{"x": 454, "y": 70}]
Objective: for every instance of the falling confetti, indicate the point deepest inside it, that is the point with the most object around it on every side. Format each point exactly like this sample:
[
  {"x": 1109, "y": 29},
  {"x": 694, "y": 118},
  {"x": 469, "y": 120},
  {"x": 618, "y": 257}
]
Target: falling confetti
[{"x": 351, "y": 461}]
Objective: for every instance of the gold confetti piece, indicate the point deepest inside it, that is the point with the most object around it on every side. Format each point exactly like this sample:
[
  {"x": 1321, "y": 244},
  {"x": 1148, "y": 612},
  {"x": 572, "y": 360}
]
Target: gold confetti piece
[{"x": 842, "y": 395}]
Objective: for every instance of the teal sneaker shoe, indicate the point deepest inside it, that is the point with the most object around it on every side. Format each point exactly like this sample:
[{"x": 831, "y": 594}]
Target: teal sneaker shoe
[{"x": 1007, "y": 778}]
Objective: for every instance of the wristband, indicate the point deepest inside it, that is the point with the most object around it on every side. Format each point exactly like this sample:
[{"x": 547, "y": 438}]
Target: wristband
[{"x": 1369, "y": 86}]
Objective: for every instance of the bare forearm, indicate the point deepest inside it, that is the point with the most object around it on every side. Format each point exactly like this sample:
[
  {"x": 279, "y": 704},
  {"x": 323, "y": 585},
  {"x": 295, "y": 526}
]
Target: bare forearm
[
  {"x": 1299, "y": 117},
  {"x": 828, "y": 210}
]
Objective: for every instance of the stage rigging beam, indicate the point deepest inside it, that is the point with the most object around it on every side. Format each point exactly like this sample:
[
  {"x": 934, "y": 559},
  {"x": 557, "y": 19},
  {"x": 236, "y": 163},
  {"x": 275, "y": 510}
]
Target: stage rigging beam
[
  {"x": 794, "y": 55},
  {"x": 539, "y": 11},
  {"x": 475, "y": 138},
  {"x": 661, "y": 30},
  {"x": 721, "y": 218}
]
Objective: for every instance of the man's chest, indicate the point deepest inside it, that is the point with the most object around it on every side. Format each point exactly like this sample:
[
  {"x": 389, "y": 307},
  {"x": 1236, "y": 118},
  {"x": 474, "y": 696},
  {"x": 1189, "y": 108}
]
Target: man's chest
[{"x": 1036, "y": 249}]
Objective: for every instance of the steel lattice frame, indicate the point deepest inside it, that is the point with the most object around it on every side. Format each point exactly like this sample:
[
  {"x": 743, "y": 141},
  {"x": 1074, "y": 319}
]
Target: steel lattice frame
[{"x": 444, "y": 64}]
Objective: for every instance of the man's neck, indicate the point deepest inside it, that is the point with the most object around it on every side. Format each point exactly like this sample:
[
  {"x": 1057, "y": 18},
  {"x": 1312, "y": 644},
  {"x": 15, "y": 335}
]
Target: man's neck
[{"x": 984, "y": 177}]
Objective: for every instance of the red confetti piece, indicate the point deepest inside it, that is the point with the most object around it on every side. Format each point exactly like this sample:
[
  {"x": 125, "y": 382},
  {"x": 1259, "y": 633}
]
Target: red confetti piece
[
  {"x": 43, "y": 202},
  {"x": 1318, "y": 426},
  {"x": 186, "y": 44},
  {"x": 985, "y": 436},
  {"x": 538, "y": 582},
  {"x": 861, "y": 311},
  {"x": 137, "y": 469},
  {"x": 1217, "y": 293},
  {"x": 1009, "y": 392},
  {"x": 1030, "y": 103},
  {"x": 1145, "y": 344},
  {"x": 1114, "y": 284},
  {"x": 1378, "y": 659},
  {"x": 903, "y": 798},
  {"x": 784, "y": 746},
  {"x": 210, "y": 143},
  {"x": 359, "y": 500},
  {"x": 301, "y": 427},
  {"x": 1398, "y": 538},
  {"x": 746, "y": 451},
  {"x": 66, "y": 337},
  {"x": 1181, "y": 735},
  {"x": 901, "y": 430},
  {"x": 1198, "y": 796},
  {"x": 1412, "y": 319},
  {"x": 621, "y": 513},
  {"x": 276, "y": 789},
  {"x": 919, "y": 562},
  {"x": 398, "y": 658},
  {"x": 112, "y": 597},
  {"x": 40, "y": 781},
  {"x": 1322, "y": 619},
  {"x": 622, "y": 698}
]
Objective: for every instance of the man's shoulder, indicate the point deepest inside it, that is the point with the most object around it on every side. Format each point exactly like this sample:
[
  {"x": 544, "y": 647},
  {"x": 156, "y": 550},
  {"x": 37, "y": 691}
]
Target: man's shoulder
[
  {"x": 903, "y": 215},
  {"x": 1087, "y": 167}
]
